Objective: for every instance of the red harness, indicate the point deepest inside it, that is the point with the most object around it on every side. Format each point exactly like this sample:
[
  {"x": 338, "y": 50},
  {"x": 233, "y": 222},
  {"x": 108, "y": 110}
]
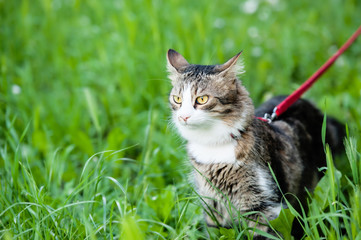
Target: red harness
[{"x": 285, "y": 104}]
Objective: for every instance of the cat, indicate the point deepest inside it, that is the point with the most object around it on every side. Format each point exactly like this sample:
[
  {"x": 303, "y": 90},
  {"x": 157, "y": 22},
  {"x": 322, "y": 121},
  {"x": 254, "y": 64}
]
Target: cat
[{"x": 231, "y": 150}]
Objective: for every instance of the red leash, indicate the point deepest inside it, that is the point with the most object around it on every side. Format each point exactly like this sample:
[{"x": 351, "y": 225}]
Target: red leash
[{"x": 285, "y": 104}]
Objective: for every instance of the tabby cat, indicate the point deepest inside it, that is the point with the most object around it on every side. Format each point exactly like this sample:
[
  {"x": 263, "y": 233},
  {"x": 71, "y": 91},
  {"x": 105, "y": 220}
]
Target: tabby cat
[{"x": 231, "y": 150}]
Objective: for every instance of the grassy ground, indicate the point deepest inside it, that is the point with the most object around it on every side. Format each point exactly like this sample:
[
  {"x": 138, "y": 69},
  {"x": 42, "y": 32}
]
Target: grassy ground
[{"x": 85, "y": 147}]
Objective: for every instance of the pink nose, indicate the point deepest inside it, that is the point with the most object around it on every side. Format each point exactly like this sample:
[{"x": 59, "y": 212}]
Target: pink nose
[{"x": 184, "y": 118}]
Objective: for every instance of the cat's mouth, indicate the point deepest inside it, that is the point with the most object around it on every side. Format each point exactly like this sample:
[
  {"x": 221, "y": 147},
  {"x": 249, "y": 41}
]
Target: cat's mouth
[
  {"x": 193, "y": 125},
  {"x": 188, "y": 124}
]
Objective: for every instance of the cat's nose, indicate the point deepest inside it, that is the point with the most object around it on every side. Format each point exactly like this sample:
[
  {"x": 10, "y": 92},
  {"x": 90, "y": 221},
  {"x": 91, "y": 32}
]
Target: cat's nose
[{"x": 184, "y": 118}]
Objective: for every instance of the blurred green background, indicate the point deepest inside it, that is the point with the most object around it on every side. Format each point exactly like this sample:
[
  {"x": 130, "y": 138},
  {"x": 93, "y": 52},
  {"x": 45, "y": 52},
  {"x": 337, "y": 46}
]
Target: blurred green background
[{"x": 83, "y": 77}]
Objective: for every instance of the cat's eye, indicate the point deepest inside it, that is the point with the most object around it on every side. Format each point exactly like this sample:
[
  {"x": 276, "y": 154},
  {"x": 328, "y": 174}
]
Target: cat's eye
[
  {"x": 177, "y": 99},
  {"x": 202, "y": 100}
]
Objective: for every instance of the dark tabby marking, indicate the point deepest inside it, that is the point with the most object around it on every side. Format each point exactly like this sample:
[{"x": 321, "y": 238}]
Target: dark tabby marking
[{"x": 231, "y": 150}]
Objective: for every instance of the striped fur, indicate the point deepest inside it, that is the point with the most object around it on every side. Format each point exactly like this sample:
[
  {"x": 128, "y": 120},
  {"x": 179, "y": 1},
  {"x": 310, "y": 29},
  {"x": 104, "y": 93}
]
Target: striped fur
[{"x": 231, "y": 151}]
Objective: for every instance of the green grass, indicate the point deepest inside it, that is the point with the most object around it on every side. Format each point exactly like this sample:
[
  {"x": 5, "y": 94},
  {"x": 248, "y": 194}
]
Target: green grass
[{"x": 86, "y": 151}]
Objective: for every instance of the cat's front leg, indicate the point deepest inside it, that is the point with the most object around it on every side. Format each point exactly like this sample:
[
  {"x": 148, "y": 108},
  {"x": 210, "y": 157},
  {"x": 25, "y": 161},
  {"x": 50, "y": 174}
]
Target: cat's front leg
[{"x": 260, "y": 221}]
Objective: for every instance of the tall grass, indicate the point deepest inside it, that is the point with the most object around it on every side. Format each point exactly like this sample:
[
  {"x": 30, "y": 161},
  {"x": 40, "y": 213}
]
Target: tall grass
[{"x": 85, "y": 147}]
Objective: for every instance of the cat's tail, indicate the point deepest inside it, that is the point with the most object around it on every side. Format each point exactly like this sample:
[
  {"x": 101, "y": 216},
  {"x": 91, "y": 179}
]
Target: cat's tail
[{"x": 335, "y": 134}]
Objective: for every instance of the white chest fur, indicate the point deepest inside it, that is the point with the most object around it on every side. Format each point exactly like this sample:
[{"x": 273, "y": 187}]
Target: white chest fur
[{"x": 208, "y": 154}]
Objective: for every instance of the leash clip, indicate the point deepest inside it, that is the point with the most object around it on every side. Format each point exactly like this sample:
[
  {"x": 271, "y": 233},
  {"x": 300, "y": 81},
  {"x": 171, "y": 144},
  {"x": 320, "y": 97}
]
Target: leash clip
[{"x": 270, "y": 117}]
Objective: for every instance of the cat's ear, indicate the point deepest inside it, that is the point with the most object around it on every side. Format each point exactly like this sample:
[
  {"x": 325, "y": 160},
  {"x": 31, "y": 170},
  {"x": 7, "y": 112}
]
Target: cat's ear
[
  {"x": 232, "y": 67},
  {"x": 176, "y": 62}
]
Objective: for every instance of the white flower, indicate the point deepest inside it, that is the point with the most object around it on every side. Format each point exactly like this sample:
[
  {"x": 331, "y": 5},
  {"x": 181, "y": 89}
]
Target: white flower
[
  {"x": 219, "y": 23},
  {"x": 253, "y": 32},
  {"x": 15, "y": 89},
  {"x": 256, "y": 51},
  {"x": 228, "y": 44},
  {"x": 250, "y": 6}
]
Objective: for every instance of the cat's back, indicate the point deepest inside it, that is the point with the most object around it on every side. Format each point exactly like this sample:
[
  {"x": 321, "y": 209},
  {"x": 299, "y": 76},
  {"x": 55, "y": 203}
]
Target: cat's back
[
  {"x": 305, "y": 120},
  {"x": 299, "y": 129}
]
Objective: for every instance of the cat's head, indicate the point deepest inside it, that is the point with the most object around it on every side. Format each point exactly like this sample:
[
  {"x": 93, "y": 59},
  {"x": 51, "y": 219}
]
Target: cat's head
[{"x": 208, "y": 101}]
